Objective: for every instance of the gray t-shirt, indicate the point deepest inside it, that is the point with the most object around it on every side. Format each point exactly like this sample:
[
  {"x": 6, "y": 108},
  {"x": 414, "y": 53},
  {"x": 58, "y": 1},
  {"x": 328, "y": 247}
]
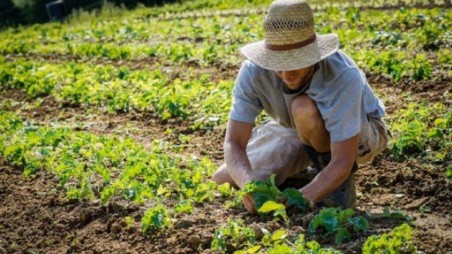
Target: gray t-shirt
[{"x": 338, "y": 87}]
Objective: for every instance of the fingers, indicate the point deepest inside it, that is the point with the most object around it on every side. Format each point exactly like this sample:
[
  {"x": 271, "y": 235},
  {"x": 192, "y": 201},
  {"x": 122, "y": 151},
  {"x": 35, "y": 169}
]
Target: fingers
[
  {"x": 248, "y": 202},
  {"x": 311, "y": 205}
]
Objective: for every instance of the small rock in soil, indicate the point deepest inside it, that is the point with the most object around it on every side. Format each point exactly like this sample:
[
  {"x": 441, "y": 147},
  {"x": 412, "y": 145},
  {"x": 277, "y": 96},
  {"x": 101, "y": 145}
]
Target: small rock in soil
[
  {"x": 98, "y": 231},
  {"x": 184, "y": 224},
  {"x": 171, "y": 241},
  {"x": 298, "y": 230},
  {"x": 116, "y": 228},
  {"x": 110, "y": 223},
  {"x": 416, "y": 203},
  {"x": 194, "y": 241},
  {"x": 115, "y": 207},
  {"x": 84, "y": 216},
  {"x": 257, "y": 230},
  {"x": 132, "y": 230}
]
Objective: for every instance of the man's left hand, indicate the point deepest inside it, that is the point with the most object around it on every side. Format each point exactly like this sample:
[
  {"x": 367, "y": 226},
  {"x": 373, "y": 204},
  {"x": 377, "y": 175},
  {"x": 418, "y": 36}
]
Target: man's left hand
[{"x": 248, "y": 202}]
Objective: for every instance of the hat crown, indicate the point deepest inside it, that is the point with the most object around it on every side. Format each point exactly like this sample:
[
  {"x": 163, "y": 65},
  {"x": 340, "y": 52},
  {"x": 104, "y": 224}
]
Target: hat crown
[{"x": 288, "y": 22}]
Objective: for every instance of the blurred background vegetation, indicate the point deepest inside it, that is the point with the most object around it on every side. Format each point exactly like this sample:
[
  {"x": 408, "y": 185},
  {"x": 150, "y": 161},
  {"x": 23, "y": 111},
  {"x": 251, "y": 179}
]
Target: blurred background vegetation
[{"x": 15, "y": 12}]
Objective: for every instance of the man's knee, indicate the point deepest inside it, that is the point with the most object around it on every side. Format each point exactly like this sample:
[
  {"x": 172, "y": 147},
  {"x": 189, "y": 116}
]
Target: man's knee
[
  {"x": 304, "y": 109},
  {"x": 222, "y": 176},
  {"x": 218, "y": 176}
]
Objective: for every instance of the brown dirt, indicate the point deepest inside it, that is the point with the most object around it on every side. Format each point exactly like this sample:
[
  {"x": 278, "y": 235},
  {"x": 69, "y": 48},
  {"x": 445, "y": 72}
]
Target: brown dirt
[{"x": 36, "y": 217}]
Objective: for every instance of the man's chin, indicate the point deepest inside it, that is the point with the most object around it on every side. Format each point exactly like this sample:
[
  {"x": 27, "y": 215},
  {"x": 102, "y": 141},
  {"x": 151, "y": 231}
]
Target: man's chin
[{"x": 292, "y": 86}]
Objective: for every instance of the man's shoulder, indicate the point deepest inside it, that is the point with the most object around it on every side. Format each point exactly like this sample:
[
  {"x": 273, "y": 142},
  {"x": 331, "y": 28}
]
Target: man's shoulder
[
  {"x": 252, "y": 68},
  {"x": 252, "y": 74},
  {"x": 339, "y": 65}
]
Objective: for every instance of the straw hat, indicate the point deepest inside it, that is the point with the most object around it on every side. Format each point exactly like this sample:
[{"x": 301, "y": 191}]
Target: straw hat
[{"x": 290, "y": 40}]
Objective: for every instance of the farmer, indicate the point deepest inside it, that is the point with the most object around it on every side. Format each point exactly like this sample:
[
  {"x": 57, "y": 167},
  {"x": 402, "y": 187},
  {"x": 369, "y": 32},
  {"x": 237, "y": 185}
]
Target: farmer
[{"x": 323, "y": 111}]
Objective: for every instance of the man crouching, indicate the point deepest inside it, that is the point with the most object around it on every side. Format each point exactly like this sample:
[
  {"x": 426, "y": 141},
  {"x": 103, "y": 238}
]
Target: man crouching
[{"x": 322, "y": 108}]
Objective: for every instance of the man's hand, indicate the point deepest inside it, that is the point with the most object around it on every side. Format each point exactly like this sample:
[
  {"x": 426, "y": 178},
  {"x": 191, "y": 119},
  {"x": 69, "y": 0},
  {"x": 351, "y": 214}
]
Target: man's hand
[
  {"x": 248, "y": 202},
  {"x": 311, "y": 203},
  {"x": 338, "y": 170}
]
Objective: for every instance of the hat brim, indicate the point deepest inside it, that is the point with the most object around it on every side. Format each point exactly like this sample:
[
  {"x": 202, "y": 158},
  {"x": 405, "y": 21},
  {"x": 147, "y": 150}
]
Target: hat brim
[{"x": 322, "y": 47}]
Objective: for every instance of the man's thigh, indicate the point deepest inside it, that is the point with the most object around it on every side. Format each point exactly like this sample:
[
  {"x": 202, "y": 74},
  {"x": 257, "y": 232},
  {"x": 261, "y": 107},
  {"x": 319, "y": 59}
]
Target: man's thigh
[{"x": 272, "y": 149}]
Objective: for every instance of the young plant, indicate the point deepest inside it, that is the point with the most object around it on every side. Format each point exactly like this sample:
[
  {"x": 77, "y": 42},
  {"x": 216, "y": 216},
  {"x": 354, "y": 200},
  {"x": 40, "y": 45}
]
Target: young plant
[
  {"x": 279, "y": 210},
  {"x": 396, "y": 241},
  {"x": 277, "y": 243},
  {"x": 338, "y": 222},
  {"x": 155, "y": 218},
  {"x": 233, "y": 236},
  {"x": 263, "y": 191}
]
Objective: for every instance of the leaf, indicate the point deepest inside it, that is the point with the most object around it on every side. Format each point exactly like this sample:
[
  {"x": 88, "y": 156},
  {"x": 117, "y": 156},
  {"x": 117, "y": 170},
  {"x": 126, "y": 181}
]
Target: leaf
[
  {"x": 295, "y": 198},
  {"x": 330, "y": 223},
  {"x": 342, "y": 235},
  {"x": 270, "y": 206},
  {"x": 253, "y": 249},
  {"x": 345, "y": 214},
  {"x": 280, "y": 249},
  {"x": 359, "y": 224},
  {"x": 161, "y": 190},
  {"x": 279, "y": 235},
  {"x": 106, "y": 193},
  {"x": 260, "y": 198}
]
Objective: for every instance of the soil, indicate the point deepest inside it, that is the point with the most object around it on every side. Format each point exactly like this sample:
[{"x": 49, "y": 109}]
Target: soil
[{"x": 36, "y": 216}]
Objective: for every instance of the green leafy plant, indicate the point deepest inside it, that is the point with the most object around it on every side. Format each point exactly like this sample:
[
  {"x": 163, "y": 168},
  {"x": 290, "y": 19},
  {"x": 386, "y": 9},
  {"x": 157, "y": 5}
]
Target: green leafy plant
[
  {"x": 233, "y": 236},
  {"x": 338, "y": 223},
  {"x": 396, "y": 241},
  {"x": 278, "y": 242},
  {"x": 263, "y": 191},
  {"x": 422, "y": 127},
  {"x": 155, "y": 218},
  {"x": 279, "y": 210}
]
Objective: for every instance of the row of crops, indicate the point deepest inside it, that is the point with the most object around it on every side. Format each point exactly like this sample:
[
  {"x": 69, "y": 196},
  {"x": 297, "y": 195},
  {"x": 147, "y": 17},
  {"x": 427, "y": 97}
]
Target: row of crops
[
  {"x": 122, "y": 89},
  {"x": 396, "y": 43},
  {"x": 203, "y": 103},
  {"x": 89, "y": 166}
]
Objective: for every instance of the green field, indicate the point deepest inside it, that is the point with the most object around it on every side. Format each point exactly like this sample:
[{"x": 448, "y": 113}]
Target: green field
[{"x": 112, "y": 123}]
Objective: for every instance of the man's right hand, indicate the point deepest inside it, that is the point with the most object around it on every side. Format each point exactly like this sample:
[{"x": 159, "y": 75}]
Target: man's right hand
[{"x": 248, "y": 202}]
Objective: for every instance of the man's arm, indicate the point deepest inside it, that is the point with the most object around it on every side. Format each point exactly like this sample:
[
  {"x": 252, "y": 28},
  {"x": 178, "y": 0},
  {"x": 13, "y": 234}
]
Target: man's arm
[
  {"x": 343, "y": 156},
  {"x": 236, "y": 140}
]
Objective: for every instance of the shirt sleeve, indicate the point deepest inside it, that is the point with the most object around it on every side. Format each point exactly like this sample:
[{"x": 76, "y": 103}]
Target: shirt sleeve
[
  {"x": 343, "y": 112},
  {"x": 246, "y": 105}
]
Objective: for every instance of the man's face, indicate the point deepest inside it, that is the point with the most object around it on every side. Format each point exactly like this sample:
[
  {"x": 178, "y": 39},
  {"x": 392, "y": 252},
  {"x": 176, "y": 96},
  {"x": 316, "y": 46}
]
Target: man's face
[{"x": 297, "y": 78}]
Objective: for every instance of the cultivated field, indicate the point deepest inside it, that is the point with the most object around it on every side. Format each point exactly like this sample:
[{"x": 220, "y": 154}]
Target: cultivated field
[{"x": 112, "y": 123}]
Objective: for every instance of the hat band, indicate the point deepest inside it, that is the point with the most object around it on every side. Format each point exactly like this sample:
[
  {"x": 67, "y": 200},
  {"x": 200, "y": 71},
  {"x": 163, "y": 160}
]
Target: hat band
[{"x": 291, "y": 46}]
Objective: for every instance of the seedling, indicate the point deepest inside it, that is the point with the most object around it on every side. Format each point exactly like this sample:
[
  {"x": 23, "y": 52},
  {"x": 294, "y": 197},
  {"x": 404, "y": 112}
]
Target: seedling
[
  {"x": 338, "y": 223},
  {"x": 396, "y": 241},
  {"x": 263, "y": 191}
]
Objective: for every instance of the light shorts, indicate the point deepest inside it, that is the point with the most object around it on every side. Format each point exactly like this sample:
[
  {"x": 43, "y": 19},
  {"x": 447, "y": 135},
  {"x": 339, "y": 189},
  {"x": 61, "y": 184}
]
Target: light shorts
[{"x": 274, "y": 149}]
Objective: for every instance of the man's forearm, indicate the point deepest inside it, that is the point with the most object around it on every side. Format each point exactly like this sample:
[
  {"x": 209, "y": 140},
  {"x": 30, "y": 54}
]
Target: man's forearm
[
  {"x": 237, "y": 164},
  {"x": 328, "y": 180}
]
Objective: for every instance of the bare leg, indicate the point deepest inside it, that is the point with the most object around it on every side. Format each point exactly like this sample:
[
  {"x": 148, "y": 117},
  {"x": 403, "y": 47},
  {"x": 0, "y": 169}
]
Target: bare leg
[
  {"x": 222, "y": 176},
  {"x": 311, "y": 129},
  {"x": 309, "y": 123}
]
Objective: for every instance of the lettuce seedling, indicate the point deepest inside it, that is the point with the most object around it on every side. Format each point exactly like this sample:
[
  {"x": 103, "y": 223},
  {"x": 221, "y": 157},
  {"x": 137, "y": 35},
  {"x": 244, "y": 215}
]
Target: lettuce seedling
[
  {"x": 264, "y": 191},
  {"x": 396, "y": 241},
  {"x": 338, "y": 222}
]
